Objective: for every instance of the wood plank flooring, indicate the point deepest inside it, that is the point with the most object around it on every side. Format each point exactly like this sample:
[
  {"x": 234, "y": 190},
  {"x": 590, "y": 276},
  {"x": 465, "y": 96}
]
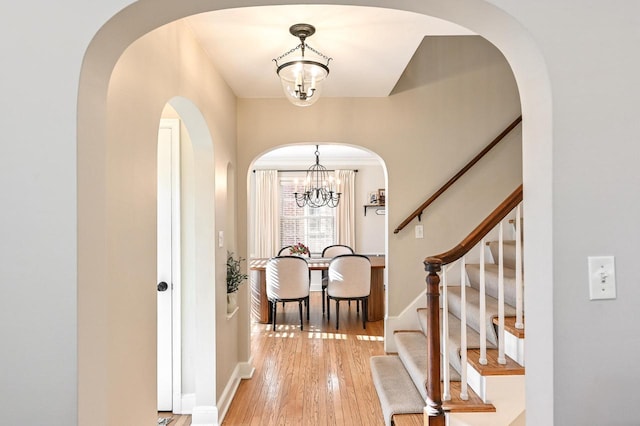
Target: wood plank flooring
[{"x": 318, "y": 376}]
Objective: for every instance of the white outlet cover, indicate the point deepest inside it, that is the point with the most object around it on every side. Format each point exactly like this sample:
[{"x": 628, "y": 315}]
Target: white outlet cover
[{"x": 602, "y": 277}]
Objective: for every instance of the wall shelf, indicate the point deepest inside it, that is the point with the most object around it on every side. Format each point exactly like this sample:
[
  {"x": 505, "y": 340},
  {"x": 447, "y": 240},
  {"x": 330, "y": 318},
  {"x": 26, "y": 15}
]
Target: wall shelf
[{"x": 379, "y": 207}]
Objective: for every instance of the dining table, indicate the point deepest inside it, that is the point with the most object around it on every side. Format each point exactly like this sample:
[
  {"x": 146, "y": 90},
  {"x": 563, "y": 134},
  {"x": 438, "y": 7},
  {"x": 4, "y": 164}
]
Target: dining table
[{"x": 260, "y": 304}]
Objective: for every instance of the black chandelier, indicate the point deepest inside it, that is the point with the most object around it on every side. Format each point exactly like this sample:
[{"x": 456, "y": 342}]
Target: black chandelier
[
  {"x": 319, "y": 187},
  {"x": 302, "y": 78}
]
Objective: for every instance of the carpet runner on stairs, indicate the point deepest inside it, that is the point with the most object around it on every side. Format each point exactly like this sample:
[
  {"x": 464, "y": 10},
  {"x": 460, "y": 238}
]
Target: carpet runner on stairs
[
  {"x": 400, "y": 380},
  {"x": 397, "y": 393}
]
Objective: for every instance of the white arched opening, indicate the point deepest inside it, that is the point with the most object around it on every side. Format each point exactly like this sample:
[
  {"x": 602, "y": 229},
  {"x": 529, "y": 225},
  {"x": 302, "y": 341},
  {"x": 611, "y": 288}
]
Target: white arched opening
[
  {"x": 113, "y": 227},
  {"x": 197, "y": 219}
]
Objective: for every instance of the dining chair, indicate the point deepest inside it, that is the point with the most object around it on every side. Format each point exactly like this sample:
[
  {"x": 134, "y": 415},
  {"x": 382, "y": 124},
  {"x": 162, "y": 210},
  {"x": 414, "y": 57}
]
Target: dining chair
[
  {"x": 284, "y": 251},
  {"x": 330, "y": 252},
  {"x": 349, "y": 279},
  {"x": 288, "y": 280}
]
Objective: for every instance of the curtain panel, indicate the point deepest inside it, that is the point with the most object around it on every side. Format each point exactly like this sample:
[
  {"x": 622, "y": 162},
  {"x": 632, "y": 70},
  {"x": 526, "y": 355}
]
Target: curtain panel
[
  {"x": 267, "y": 214},
  {"x": 345, "y": 212}
]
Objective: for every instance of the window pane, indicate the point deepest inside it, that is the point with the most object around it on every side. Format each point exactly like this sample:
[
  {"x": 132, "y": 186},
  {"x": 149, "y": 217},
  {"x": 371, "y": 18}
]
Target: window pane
[{"x": 315, "y": 227}]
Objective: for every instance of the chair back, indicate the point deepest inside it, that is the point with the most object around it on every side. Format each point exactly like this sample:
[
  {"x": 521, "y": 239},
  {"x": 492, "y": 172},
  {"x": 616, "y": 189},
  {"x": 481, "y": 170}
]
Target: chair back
[
  {"x": 284, "y": 251},
  {"x": 336, "y": 250},
  {"x": 349, "y": 276},
  {"x": 287, "y": 278}
]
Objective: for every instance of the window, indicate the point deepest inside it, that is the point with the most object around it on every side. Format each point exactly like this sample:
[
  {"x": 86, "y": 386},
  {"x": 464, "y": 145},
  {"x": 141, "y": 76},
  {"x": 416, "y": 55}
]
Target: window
[{"x": 315, "y": 227}]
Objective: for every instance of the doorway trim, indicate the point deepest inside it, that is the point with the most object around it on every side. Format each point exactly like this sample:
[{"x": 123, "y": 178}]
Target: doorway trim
[{"x": 173, "y": 124}]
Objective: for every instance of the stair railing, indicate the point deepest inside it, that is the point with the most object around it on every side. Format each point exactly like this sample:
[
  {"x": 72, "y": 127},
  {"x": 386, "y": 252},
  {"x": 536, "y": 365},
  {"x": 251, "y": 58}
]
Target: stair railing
[
  {"x": 418, "y": 212},
  {"x": 434, "y": 265}
]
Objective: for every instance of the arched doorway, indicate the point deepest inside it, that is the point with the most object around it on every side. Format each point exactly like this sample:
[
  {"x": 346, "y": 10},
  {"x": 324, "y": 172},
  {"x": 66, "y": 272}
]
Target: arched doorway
[{"x": 102, "y": 148}]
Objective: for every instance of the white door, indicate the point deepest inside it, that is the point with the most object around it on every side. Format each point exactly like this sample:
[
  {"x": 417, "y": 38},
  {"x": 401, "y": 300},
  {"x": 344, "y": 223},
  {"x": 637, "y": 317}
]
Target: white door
[{"x": 168, "y": 276}]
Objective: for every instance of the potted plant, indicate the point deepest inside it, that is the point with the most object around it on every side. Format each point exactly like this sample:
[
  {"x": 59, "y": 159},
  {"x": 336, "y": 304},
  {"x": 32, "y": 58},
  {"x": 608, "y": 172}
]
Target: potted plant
[{"x": 234, "y": 279}]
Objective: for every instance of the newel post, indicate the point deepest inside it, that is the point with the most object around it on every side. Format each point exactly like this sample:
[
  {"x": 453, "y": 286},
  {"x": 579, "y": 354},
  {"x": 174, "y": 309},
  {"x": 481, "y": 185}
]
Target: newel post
[{"x": 433, "y": 414}]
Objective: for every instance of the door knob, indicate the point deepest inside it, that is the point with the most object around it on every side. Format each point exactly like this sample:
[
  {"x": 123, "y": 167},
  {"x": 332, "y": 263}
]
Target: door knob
[{"x": 163, "y": 286}]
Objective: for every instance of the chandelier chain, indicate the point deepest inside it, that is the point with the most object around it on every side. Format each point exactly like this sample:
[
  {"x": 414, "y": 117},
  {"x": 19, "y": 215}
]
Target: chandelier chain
[
  {"x": 322, "y": 55},
  {"x": 288, "y": 53}
]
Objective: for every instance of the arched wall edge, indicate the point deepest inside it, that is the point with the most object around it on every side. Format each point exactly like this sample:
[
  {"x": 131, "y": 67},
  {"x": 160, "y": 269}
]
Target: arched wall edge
[{"x": 480, "y": 16}]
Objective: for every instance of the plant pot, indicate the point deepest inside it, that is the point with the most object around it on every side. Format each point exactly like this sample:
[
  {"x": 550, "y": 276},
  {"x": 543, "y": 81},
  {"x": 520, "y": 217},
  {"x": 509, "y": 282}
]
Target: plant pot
[{"x": 232, "y": 301}]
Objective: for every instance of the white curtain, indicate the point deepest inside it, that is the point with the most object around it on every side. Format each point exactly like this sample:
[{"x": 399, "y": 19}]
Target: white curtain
[
  {"x": 267, "y": 214},
  {"x": 345, "y": 212}
]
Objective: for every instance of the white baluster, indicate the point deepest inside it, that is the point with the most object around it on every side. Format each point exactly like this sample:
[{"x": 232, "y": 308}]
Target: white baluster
[
  {"x": 446, "y": 377},
  {"x": 501, "y": 357},
  {"x": 463, "y": 330},
  {"x": 519, "y": 286},
  {"x": 483, "y": 309}
]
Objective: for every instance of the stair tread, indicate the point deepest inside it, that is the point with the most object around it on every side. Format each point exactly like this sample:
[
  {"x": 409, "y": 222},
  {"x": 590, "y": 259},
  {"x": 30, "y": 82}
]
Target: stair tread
[
  {"x": 510, "y": 326},
  {"x": 473, "y": 337},
  {"x": 493, "y": 368},
  {"x": 413, "y": 419},
  {"x": 453, "y": 347},
  {"x": 412, "y": 351},
  {"x": 492, "y": 269},
  {"x": 473, "y": 405},
  {"x": 401, "y": 401},
  {"x": 395, "y": 387},
  {"x": 473, "y": 310}
]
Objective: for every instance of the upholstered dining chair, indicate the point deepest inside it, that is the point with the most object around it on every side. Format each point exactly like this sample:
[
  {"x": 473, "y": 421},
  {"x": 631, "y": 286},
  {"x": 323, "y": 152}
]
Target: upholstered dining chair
[
  {"x": 288, "y": 280},
  {"x": 284, "y": 251},
  {"x": 349, "y": 279},
  {"x": 330, "y": 252}
]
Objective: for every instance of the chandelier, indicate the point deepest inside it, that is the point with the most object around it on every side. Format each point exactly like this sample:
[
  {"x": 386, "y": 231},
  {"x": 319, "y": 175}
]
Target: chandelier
[
  {"x": 302, "y": 78},
  {"x": 319, "y": 187}
]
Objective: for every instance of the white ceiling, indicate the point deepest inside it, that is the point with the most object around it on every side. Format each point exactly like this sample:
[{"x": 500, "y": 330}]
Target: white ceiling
[{"x": 370, "y": 47}]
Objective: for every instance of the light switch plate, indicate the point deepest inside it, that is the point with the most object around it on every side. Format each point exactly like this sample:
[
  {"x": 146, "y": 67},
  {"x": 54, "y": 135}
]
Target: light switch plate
[
  {"x": 419, "y": 231},
  {"x": 602, "y": 277},
  {"x": 220, "y": 239}
]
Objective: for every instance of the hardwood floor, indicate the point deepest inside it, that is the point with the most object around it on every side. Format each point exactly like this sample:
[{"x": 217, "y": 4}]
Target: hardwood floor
[{"x": 318, "y": 376}]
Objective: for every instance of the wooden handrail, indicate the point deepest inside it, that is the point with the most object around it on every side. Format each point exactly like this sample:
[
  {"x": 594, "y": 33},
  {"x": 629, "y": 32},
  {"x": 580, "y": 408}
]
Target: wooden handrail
[
  {"x": 433, "y": 265},
  {"x": 480, "y": 232},
  {"x": 419, "y": 210}
]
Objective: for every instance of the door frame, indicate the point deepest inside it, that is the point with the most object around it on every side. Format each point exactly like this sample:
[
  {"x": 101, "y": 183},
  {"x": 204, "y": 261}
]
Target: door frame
[{"x": 173, "y": 124}]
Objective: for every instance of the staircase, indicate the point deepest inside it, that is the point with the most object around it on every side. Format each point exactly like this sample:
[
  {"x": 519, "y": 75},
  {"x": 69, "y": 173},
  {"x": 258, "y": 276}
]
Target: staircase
[{"x": 473, "y": 392}]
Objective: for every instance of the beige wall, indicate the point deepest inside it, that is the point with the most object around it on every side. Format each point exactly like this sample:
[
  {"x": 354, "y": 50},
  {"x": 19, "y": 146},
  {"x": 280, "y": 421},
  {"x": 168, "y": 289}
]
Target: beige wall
[
  {"x": 155, "y": 69},
  {"x": 424, "y": 134},
  {"x": 370, "y": 235}
]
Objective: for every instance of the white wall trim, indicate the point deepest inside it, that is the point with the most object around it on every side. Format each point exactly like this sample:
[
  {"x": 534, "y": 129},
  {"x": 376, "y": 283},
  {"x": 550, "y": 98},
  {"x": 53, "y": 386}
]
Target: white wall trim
[
  {"x": 204, "y": 415},
  {"x": 246, "y": 369},
  {"x": 406, "y": 320},
  {"x": 187, "y": 403},
  {"x": 243, "y": 370}
]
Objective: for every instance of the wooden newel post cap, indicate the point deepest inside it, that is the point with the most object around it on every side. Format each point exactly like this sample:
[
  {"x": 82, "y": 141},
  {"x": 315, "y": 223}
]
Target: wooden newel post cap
[{"x": 432, "y": 265}]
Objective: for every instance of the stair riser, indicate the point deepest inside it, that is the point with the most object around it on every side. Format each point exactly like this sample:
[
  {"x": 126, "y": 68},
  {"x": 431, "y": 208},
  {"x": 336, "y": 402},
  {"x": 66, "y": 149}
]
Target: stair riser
[
  {"x": 508, "y": 253},
  {"x": 491, "y": 282},
  {"x": 506, "y": 393},
  {"x": 473, "y": 311},
  {"x": 514, "y": 348}
]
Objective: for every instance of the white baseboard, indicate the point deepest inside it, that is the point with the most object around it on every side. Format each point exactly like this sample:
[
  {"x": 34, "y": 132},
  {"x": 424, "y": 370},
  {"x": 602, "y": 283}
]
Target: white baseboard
[
  {"x": 407, "y": 320},
  {"x": 188, "y": 401},
  {"x": 204, "y": 416},
  {"x": 246, "y": 369},
  {"x": 243, "y": 370}
]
